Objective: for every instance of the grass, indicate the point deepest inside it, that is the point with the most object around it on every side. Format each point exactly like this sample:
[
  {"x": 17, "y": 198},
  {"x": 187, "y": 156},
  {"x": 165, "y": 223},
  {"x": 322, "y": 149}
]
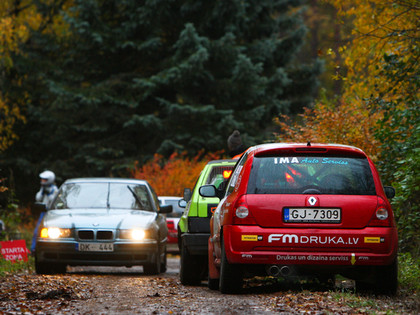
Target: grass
[
  {"x": 354, "y": 301},
  {"x": 20, "y": 266}
]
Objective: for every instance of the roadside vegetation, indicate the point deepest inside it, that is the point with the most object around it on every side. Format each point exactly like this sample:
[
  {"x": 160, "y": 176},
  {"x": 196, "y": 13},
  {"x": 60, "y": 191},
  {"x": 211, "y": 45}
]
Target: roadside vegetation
[{"x": 18, "y": 221}]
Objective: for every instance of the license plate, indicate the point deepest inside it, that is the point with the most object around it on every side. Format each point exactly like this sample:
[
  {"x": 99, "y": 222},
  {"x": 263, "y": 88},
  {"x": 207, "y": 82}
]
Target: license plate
[
  {"x": 95, "y": 247},
  {"x": 312, "y": 215}
]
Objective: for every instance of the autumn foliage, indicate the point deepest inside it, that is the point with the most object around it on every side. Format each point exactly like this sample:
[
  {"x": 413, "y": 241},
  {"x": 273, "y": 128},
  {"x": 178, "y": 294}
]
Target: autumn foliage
[
  {"x": 170, "y": 176},
  {"x": 17, "y": 19},
  {"x": 343, "y": 124},
  {"x": 381, "y": 30},
  {"x": 11, "y": 35}
]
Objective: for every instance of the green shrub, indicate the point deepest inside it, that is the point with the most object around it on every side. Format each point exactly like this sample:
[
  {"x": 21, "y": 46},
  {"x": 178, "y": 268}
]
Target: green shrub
[
  {"x": 398, "y": 132},
  {"x": 406, "y": 202},
  {"x": 408, "y": 272}
]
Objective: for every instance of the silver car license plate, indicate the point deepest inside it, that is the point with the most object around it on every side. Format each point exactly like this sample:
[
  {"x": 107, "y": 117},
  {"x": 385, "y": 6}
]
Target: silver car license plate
[
  {"x": 312, "y": 215},
  {"x": 95, "y": 247}
]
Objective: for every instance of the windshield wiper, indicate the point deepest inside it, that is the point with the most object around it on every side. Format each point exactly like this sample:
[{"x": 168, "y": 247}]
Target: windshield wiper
[
  {"x": 108, "y": 205},
  {"x": 135, "y": 196}
]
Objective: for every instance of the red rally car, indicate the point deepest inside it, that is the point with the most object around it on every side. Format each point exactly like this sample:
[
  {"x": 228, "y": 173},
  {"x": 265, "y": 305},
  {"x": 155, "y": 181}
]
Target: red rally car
[{"x": 303, "y": 209}]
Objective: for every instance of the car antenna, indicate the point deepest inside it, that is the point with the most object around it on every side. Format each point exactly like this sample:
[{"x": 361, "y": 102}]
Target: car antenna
[{"x": 308, "y": 144}]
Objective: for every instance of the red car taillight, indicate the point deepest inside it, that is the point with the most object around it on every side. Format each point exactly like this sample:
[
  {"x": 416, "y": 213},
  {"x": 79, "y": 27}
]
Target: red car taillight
[
  {"x": 241, "y": 214},
  {"x": 170, "y": 224},
  {"x": 382, "y": 216}
]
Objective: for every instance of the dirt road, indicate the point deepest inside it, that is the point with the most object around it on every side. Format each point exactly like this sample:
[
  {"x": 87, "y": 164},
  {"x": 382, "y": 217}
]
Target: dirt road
[{"x": 104, "y": 290}]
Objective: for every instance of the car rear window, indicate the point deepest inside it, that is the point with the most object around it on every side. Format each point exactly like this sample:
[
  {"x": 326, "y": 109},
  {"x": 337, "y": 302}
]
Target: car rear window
[
  {"x": 311, "y": 174},
  {"x": 218, "y": 174}
]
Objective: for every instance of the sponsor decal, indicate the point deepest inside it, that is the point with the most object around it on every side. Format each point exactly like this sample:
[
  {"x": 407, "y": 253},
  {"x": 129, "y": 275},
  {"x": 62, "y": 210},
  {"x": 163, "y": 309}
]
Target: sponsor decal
[
  {"x": 335, "y": 161},
  {"x": 286, "y": 160},
  {"x": 306, "y": 160},
  {"x": 211, "y": 207},
  {"x": 374, "y": 240},
  {"x": 252, "y": 238},
  {"x": 311, "y": 258},
  {"x": 338, "y": 258},
  {"x": 303, "y": 239},
  {"x": 288, "y": 257},
  {"x": 238, "y": 183},
  {"x": 235, "y": 175}
]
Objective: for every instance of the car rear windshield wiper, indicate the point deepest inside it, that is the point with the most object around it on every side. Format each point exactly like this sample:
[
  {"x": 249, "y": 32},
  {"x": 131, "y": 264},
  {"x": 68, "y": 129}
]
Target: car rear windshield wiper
[{"x": 135, "y": 196}]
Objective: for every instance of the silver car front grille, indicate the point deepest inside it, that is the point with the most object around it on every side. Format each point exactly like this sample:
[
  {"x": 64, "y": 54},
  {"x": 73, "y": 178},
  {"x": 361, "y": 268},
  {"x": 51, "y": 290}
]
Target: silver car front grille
[{"x": 95, "y": 235}]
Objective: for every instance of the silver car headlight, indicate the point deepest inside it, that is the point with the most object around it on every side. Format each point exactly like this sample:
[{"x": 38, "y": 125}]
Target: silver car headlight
[
  {"x": 55, "y": 233},
  {"x": 134, "y": 234}
]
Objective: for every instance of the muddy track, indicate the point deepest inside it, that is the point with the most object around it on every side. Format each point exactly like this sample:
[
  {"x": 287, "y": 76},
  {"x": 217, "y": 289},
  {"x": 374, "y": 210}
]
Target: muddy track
[{"x": 106, "y": 290}]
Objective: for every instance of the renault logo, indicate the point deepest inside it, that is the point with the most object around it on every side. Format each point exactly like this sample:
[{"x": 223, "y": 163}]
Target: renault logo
[{"x": 312, "y": 201}]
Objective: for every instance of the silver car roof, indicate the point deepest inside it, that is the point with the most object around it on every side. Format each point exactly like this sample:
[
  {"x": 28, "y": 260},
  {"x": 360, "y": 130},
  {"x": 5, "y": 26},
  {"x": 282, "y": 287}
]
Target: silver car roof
[{"x": 106, "y": 180}]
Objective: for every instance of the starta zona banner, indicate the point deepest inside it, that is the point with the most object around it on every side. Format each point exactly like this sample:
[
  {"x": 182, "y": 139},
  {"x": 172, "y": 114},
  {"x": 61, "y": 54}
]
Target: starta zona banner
[{"x": 14, "y": 250}]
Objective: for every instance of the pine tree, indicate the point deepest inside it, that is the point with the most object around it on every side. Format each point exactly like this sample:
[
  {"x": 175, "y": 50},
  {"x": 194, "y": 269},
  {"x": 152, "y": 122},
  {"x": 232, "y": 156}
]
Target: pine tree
[{"x": 131, "y": 78}]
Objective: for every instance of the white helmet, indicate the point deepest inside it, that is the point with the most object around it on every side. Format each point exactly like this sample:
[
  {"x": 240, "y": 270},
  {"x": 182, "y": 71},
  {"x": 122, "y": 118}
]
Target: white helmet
[{"x": 49, "y": 176}]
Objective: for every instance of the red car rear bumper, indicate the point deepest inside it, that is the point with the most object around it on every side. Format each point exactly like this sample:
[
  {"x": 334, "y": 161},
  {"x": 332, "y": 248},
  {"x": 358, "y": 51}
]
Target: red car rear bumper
[{"x": 256, "y": 245}]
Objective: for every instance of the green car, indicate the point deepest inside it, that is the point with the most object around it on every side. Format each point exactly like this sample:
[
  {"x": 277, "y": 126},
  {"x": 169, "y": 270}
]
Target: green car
[{"x": 194, "y": 225}]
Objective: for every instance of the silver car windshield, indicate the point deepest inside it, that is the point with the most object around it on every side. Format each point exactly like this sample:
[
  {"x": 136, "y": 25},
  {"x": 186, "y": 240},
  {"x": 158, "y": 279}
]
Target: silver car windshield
[{"x": 103, "y": 195}]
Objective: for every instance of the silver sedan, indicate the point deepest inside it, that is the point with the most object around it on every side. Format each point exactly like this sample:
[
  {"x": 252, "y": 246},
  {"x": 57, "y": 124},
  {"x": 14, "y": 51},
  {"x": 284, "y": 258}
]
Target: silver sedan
[{"x": 104, "y": 222}]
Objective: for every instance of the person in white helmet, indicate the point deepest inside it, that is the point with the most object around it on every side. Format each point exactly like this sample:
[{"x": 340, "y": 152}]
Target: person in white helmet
[
  {"x": 45, "y": 195},
  {"x": 48, "y": 188}
]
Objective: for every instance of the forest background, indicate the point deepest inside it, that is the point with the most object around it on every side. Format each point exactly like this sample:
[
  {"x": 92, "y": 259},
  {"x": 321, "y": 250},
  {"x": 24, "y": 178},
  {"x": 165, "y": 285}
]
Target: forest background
[{"x": 153, "y": 89}]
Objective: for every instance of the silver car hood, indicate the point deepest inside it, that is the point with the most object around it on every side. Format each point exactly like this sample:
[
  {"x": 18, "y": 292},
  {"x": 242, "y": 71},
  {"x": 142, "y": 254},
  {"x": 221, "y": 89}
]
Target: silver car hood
[{"x": 99, "y": 218}]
